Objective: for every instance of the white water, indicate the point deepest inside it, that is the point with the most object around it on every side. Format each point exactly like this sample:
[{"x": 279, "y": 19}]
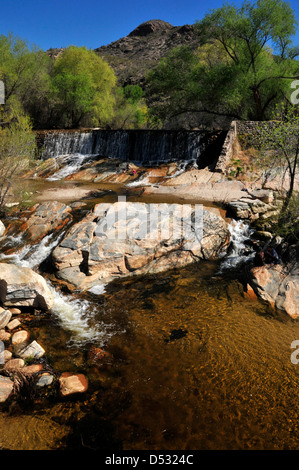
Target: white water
[
  {"x": 71, "y": 165},
  {"x": 140, "y": 182},
  {"x": 182, "y": 168},
  {"x": 240, "y": 232},
  {"x": 74, "y": 314},
  {"x": 36, "y": 253}
]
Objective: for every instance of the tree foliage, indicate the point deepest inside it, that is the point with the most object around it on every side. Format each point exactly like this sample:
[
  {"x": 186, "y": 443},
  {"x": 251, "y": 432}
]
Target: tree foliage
[
  {"x": 17, "y": 149},
  {"x": 82, "y": 87},
  {"x": 243, "y": 67},
  {"x": 279, "y": 146}
]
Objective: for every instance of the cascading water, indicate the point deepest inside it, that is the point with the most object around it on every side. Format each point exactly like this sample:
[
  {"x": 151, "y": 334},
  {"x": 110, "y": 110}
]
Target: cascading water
[
  {"x": 74, "y": 314},
  {"x": 71, "y": 164},
  {"x": 240, "y": 233},
  {"x": 139, "y": 146}
]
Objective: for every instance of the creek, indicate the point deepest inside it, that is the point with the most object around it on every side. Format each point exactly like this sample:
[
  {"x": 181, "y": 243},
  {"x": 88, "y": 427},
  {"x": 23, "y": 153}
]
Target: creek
[{"x": 195, "y": 363}]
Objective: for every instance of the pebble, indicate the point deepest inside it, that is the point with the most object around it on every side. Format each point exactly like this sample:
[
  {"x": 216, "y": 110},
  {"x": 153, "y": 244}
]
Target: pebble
[
  {"x": 13, "y": 324},
  {"x": 72, "y": 383},
  {"x": 12, "y": 361},
  {"x": 20, "y": 337},
  {"x": 5, "y": 336},
  {"x": 45, "y": 380},
  {"x": 5, "y": 317},
  {"x": 14, "y": 364},
  {"x": 33, "y": 350}
]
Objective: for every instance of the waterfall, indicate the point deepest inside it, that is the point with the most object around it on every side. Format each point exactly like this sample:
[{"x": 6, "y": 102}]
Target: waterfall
[{"x": 139, "y": 146}]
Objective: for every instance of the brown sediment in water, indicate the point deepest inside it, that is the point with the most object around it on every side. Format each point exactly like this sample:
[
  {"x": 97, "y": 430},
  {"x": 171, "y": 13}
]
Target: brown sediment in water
[{"x": 196, "y": 366}]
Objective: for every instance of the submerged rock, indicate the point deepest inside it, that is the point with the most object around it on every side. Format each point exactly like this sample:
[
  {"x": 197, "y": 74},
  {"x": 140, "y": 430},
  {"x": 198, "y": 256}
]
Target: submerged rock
[
  {"x": 6, "y": 388},
  {"x": 21, "y": 286},
  {"x": 72, "y": 383}
]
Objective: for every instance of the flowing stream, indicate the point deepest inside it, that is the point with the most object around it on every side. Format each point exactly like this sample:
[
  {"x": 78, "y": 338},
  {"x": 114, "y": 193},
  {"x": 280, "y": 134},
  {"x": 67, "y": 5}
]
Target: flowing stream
[{"x": 196, "y": 364}]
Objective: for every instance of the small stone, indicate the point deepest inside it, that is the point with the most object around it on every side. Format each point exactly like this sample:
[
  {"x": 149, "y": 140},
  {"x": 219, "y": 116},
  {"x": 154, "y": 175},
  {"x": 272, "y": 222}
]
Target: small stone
[
  {"x": 72, "y": 383},
  {"x": 4, "y": 336},
  {"x": 15, "y": 311},
  {"x": 20, "y": 337},
  {"x": 5, "y": 317},
  {"x": 6, "y": 387},
  {"x": 45, "y": 380},
  {"x": 14, "y": 364},
  {"x": 32, "y": 369},
  {"x": 33, "y": 350},
  {"x": 7, "y": 355},
  {"x": 13, "y": 324}
]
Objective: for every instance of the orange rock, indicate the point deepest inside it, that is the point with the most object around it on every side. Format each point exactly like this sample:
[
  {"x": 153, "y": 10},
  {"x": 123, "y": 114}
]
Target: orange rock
[{"x": 72, "y": 383}]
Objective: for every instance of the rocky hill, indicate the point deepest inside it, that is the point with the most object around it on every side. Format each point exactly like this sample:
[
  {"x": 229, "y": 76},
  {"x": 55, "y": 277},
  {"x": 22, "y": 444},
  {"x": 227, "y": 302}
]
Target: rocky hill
[{"x": 133, "y": 55}]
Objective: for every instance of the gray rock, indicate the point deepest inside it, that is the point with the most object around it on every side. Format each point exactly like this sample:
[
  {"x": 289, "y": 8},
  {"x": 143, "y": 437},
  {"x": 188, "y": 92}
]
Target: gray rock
[
  {"x": 33, "y": 350},
  {"x": 21, "y": 286},
  {"x": 5, "y": 317},
  {"x": 126, "y": 238},
  {"x": 45, "y": 380}
]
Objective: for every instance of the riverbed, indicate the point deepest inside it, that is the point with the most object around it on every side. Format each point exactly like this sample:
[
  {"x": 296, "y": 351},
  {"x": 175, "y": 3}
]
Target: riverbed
[{"x": 195, "y": 364}]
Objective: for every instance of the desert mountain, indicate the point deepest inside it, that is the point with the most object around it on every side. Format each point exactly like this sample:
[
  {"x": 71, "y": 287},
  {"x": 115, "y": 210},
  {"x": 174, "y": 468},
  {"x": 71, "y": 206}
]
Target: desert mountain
[{"x": 134, "y": 55}]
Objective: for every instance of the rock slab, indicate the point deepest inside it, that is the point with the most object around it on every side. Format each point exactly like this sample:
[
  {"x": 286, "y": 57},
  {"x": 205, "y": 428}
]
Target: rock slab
[{"x": 22, "y": 287}]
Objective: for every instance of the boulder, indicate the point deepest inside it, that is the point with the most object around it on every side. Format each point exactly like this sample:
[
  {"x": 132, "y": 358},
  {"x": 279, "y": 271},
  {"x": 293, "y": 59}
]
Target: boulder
[
  {"x": 249, "y": 209},
  {"x": 124, "y": 239},
  {"x": 14, "y": 364},
  {"x": 45, "y": 380},
  {"x": 13, "y": 324},
  {"x": 278, "y": 285},
  {"x": 20, "y": 286},
  {"x": 20, "y": 337},
  {"x": 5, "y": 336},
  {"x": 44, "y": 219}
]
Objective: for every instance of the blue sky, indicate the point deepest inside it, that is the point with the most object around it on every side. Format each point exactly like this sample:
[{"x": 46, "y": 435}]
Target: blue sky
[{"x": 94, "y": 23}]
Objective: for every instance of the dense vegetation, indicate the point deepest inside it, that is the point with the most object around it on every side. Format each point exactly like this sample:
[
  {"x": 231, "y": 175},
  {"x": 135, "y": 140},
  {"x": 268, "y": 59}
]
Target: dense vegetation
[
  {"x": 242, "y": 69},
  {"x": 77, "y": 89}
]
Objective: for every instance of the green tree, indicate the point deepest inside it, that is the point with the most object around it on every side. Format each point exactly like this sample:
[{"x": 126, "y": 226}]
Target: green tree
[
  {"x": 17, "y": 149},
  {"x": 82, "y": 88},
  {"x": 279, "y": 144},
  {"x": 24, "y": 69},
  {"x": 245, "y": 34},
  {"x": 130, "y": 109},
  {"x": 243, "y": 77}
]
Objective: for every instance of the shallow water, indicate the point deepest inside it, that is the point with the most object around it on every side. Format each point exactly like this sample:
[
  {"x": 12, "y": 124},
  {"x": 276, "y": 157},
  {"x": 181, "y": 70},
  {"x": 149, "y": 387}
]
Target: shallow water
[{"x": 196, "y": 366}]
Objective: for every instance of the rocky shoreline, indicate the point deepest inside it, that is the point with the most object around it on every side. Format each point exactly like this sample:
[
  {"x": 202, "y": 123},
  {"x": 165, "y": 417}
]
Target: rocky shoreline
[
  {"x": 84, "y": 258},
  {"x": 23, "y": 362}
]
